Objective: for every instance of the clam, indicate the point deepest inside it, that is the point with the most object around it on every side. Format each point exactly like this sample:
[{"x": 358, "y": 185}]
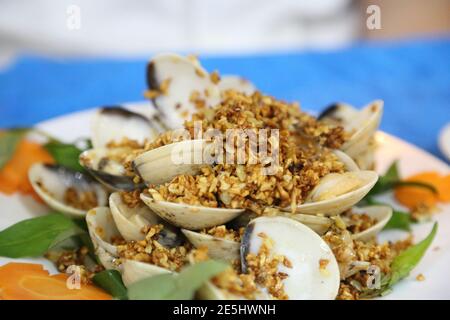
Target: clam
[
  {"x": 316, "y": 223},
  {"x": 130, "y": 222},
  {"x": 56, "y": 185},
  {"x": 314, "y": 272},
  {"x": 381, "y": 214},
  {"x": 337, "y": 192},
  {"x": 179, "y": 79},
  {"x": 361, "y": 124},
  {"x": 102, "y": 231},
  {"x": 218, "y": 248},
  {"x": 113, "y": 124},
  {"x": 162, "y": 164},
  {"x": 237, "y": 83},
  {"x": 189, "y": 216},
  {"x": 103, "y": 165},
  {"x": 133, "y": 271}
]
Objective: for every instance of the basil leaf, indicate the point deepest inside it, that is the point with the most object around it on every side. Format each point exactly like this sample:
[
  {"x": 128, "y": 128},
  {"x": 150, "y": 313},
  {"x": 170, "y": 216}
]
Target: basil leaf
[
  {"x": 391, "y": 179},
  {"x": 65, "y": 154},
  {"x": 176, "y": 287},
  {"x": 8, "y": 144},
  {"x": 399, "y": 220},
  {"x": 154, "y": 288},
  {"x": 111, "y": 282},
  {"x": 385, "y": 182},
  {"x": 33, "y": 237},
  {"x": 408, "y": 259}
]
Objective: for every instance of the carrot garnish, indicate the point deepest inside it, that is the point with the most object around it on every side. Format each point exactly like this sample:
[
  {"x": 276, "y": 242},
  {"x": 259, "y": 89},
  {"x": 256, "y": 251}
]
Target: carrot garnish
[
  {"x": 415, "y": 197},
  {"x": 14, "y": 175},
  {"x": 28, "y": 281}
]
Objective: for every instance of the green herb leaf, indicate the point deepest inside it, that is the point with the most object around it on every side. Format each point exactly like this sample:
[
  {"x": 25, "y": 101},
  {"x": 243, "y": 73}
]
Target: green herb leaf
[
  {"x": 408, "y": 259},
  {"x": 111, "y": 281},
  {"x": 399, "y": 220},
  {"x": 65, "y": 154},
  {"x": 386, "y": 181},
  {"x": 391, "y": 179},
  {"x": 33, "y": 237},
  {"x": 8, "y": 144},
  {"x": 176, "y": 287}
]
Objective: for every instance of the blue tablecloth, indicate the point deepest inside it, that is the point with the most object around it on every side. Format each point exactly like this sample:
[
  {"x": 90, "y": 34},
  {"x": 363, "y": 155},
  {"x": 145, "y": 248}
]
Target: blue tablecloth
[{"x": 413, "y": 78}]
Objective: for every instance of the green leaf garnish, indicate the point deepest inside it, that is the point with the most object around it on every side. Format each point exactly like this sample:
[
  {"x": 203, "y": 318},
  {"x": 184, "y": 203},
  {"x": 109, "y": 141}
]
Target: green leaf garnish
[
  {"x": 402, "y": 265},
  {"x": 8, "y": 144},
  {"x": 111, "y": 281},
  {"x": 408, "y": 259},
  {"x": 176, "y": 287},
  {"x": 391, "y": 179},
  {"x": 399, "y": 220},
  {"x": 34, "y": 237},
  {"x": 65, "y": 154}
]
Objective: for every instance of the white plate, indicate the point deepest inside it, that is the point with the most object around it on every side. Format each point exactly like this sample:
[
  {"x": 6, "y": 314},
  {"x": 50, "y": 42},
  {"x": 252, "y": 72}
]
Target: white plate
[{"x": 434, "y": 265}]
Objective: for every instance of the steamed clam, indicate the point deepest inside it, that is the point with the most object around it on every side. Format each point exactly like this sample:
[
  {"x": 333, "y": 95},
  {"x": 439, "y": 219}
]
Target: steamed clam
[
  {"x": 312, "y": 269},
  {"x": 361, "y": 125},
  {"x": 116, "y": 132},
  {"x": 67, "y": 191}
]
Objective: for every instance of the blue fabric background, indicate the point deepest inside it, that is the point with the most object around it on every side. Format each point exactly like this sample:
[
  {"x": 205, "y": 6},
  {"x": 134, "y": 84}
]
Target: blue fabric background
[{"x": 413, "y": 78}]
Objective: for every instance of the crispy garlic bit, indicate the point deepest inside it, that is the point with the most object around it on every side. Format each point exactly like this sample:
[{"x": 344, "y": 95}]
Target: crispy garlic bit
[
  {"x": 151, "y": 251},
  {"x": 304, "y": 156}
]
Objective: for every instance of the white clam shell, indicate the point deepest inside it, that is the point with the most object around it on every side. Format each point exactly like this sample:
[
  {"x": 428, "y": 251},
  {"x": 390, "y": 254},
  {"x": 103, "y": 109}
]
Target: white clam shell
[
  {"x": 186, "y": 76},
  {"x": 130, "y": 221},
  {"x": 162, "y": 164},
  {"x": 102, "y": 230},
  {"x": 362, "y": 124},
  {"x": 382, "y": 214},
  {"x": 188, "y": 216},
  {"x": 304, "y": 248},
  {"x": 338, "y": 192},
  {"x": 133, "y": 271},
  {"x": 51, "y": 182},
  {"x": 113, "y": 124},
  {"x": 218, "y": 248}
]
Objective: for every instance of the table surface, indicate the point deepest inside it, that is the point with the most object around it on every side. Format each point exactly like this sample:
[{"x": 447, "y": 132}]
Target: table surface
[{"x": 412, "y": 77}]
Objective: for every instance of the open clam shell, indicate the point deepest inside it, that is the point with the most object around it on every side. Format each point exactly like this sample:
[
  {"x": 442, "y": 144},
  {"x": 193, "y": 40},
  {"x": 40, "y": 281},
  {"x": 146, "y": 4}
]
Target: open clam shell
[
  {"x": 337, "y": 192},
  {"x": 130, "y": 221},
  {"x": 162, "y": 164},
  {"x": 218, "y": 248},
  {"x": 236, "y": 83},
  {"x": 188, "y": 216},
  {"x": 102, "y": 231},
  {"x": 308, "y": 253},
  {"x": 362, "y": 124},
  {"x": 101, "y": 164},
  {"x": 177, "y": 78},
  {"x": 51, "y": 182},
  {"x": 114, "y": 123},
  {"x": 133, "y": 271},
  {"x": 382, "y": 215}
]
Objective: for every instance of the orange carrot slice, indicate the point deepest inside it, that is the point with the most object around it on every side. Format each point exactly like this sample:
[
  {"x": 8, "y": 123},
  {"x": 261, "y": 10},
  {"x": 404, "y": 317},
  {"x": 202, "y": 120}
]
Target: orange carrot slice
[
  {"x": 414, "y": 197},
  {"x": 14, "y": 175},
  {"x": 28, "y": 281},
  {"x": 444, "y": 189}
]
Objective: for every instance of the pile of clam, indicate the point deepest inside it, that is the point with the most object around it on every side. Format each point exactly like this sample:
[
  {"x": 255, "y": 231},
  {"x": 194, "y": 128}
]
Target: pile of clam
[{"x": 296, "y": 236}]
